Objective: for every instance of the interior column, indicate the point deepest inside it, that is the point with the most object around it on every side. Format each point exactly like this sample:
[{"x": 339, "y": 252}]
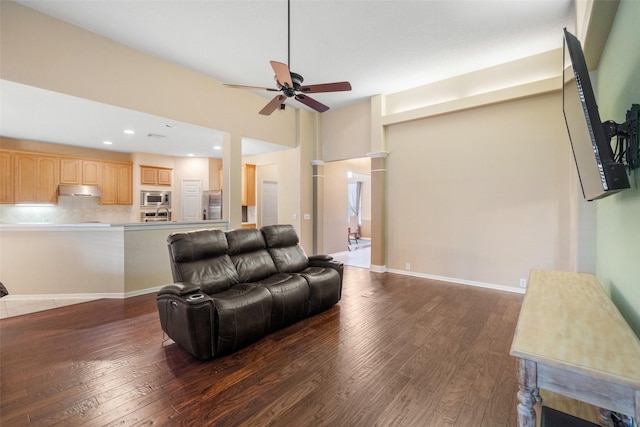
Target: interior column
[
  {"x": 318, "y": 206},
  {"x": 232, "y": 180},
  {"x": 378, "y": 210}
]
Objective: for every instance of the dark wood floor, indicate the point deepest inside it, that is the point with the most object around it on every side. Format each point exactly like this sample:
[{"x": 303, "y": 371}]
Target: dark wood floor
[{"x": 396, "y": 351}]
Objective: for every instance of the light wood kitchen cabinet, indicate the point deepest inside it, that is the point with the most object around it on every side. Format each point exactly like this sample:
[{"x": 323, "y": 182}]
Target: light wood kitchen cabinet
[
  {"x": 153, "y": 175},
  {"x": 80, "y": 172},
  {"x": 164, "y": 177},
  {"x": 6, "y": 177},
  {"x": 117, "y": 183},
  {"x": 248, "y": 185},
  {"x": 36, "y": 178},
  {"x": 247, "y": 182}
]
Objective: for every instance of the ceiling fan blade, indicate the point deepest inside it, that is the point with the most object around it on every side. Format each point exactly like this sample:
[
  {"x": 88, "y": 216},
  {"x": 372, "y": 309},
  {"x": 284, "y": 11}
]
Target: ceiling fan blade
[
  {"x": 282, "y": 73},
  {"x": 326, "y": 87},
  {"x": 310, "y": 102},
  {"x": 273, "y": 105},
  {"x": 250, "y": 87}
]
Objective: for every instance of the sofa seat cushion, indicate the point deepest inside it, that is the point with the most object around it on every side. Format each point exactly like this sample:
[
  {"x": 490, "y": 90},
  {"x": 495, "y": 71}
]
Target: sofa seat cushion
[
  {"x": 243, "y": 315},
  {"x": 324, "y": 288},
  {"x": 290, "y": 294}
]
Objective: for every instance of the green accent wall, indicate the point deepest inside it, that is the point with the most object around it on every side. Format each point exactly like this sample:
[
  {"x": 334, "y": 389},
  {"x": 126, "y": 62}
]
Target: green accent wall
[{"x": 618, "y": 216}]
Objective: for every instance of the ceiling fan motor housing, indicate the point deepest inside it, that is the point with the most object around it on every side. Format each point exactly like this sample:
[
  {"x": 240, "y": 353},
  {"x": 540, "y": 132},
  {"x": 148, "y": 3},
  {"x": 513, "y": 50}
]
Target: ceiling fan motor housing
[{"x": 296, "y": 79}]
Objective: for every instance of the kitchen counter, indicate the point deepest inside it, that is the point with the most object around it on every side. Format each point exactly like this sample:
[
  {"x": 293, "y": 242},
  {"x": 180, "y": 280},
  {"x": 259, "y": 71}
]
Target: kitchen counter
[{"x": 88, "y": 259}]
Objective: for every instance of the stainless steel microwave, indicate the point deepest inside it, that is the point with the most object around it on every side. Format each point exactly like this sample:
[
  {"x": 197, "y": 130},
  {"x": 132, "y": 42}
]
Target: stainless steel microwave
[{"x": 155, "y": 198}]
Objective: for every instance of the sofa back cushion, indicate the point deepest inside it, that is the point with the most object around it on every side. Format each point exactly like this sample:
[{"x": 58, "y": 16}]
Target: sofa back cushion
[
  {"x": 249, "y": 255},
  {"x": 282, "y": 244},
  {"x": 201, "y": 257}
]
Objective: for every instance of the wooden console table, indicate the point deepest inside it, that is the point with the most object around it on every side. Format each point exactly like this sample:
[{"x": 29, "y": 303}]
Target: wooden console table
[{"x": 572, "y": 340}]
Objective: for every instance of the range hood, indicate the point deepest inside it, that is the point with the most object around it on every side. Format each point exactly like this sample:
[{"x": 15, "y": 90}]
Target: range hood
[{"x": 79, "y": 190}]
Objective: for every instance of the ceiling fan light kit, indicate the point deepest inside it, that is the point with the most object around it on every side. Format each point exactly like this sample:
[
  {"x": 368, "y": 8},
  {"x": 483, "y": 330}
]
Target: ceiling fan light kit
[{"x": 290, "y": 83}]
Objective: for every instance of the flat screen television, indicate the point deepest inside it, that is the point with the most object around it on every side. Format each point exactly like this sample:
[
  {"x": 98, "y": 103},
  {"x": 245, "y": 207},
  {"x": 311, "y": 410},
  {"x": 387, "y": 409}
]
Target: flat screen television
[{"x": 600, "y": 175}]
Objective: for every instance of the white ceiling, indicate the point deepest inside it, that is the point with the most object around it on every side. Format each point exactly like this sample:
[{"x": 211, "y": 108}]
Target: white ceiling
[{"x": 381, "y": 47}]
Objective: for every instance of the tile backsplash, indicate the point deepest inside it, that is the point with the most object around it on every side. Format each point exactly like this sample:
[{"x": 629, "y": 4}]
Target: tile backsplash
[{"x": 69, "y": 210}]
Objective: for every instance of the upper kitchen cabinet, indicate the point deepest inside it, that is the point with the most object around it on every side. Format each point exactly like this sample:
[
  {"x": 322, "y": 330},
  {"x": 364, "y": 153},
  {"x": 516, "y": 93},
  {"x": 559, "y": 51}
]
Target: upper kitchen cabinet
[
  {"x": 36, "y": 178},
  {"x": 117, "y": 183},
  {"x": 80, "y": 172},
  {"x": 153, "y": 175},
  {"x": 248, "y": 185},
  {"x": 6, "y": 177}
]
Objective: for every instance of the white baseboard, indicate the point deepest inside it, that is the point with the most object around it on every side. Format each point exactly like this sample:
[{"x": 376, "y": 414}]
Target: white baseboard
[
  {"x": 93, "y": 296},
  {"x": 142, "y": 292},
  {"x": 378, "y": 268},
  {"x": 459, "y": 281}
]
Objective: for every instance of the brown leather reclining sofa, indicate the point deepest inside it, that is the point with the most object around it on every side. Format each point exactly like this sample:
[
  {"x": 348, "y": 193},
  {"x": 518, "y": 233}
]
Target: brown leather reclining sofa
[{"x": 232, "y": 288}]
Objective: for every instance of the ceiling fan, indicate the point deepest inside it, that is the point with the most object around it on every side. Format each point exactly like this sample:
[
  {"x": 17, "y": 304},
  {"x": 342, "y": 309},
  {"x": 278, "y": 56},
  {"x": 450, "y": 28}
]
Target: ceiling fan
[{"x": 290, "y": 83}]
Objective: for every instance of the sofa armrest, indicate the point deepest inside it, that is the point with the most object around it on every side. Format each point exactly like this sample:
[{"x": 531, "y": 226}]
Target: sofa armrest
[
  {"x": 315, "y": 261},
  {"x": 328, "y": 262},
  {"x": 179, "y": 288},
  {"x": 189, "y": 319},
  {"x": 320, "y": 258}
]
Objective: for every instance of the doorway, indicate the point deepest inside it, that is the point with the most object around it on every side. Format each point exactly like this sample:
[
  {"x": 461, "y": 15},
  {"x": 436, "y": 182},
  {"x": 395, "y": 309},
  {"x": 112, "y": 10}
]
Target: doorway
[
  {"x": 191, "y": 190},
  {"x": 269, "y": 203},
  {"x": 339, "y": 178}
]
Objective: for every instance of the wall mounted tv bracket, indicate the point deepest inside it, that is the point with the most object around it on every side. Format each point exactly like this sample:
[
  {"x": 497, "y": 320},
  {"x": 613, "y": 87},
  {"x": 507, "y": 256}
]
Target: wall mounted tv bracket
[{"x": 627, "y": 148}]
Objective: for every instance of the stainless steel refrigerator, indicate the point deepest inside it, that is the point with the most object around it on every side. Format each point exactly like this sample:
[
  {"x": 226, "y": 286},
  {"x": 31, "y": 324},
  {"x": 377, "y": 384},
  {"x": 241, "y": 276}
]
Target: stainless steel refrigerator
[{"x": 212, "y": 204}]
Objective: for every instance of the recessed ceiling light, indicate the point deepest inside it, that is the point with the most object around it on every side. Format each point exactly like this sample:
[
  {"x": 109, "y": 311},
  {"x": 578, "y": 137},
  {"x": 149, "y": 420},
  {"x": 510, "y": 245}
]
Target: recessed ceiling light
[
  {"x": 107, "y": 142},
  {"x": 190, "y": 154},
  {"x": 167, "y": 125},
  {"x": 129, "y": 132},
  {"x": 155, "y": 135},
  {"x": 217, "y": 147}
]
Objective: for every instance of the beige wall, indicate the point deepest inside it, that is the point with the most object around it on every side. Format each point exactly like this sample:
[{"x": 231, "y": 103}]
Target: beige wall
[
  {"x": 346, "y": 132},
  {"x": 215, "y": 165},
  {"x": 480, "y": 195}
]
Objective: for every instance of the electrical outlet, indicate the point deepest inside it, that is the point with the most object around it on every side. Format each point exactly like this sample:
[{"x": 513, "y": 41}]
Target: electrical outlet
[
  {"x": 407, "y": 266},
  {"x": 307, "y": 216},
  {"x": 523, "y": 283}
]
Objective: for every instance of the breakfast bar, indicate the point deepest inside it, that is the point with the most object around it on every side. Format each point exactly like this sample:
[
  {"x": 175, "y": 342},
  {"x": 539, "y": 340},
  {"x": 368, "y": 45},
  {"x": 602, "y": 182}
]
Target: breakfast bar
[
  {"x": 89, "y": 259},
  {"x": 571, "y": 340}
]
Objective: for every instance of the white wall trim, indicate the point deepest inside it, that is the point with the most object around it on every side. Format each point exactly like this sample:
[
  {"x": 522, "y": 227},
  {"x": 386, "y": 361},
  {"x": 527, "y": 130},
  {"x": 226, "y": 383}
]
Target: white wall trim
[
  {"x": 459, "y": 281},
  {"x": 378, "y": 154}
]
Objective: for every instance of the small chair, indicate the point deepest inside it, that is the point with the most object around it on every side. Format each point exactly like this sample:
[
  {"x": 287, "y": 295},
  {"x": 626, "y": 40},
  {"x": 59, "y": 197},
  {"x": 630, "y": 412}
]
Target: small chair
[{"x": 353, "y": 231}]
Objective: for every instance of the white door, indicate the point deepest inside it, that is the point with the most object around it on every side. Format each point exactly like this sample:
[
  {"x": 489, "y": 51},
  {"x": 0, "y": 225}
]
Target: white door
[
  {"x": 191, "y": 200},
  {"x": 269, "y": 203}
]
